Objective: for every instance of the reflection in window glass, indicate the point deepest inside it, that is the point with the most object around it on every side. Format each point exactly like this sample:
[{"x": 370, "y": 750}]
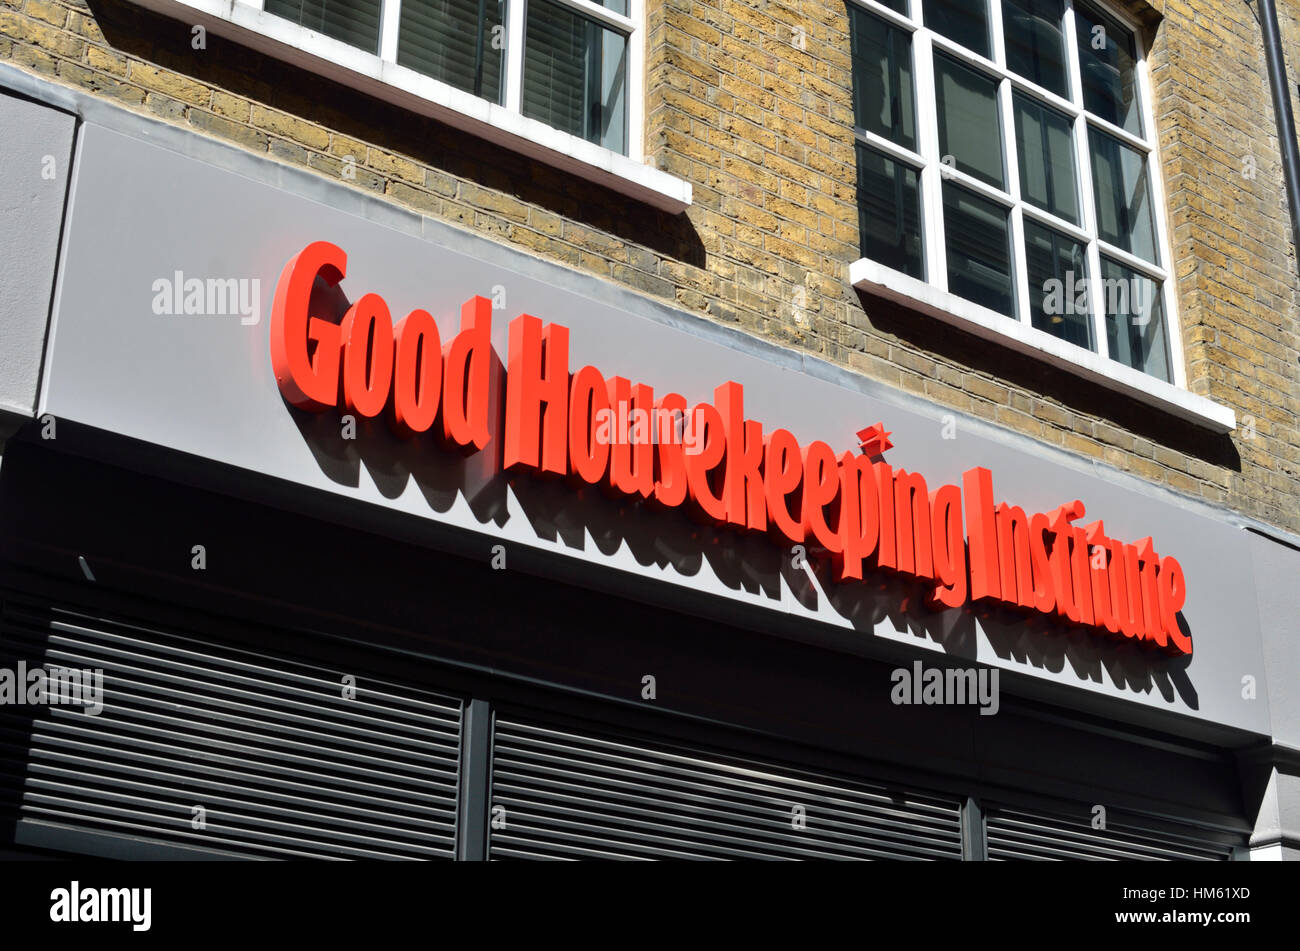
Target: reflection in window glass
[
  {"x": 1135, "y": 320},
  {"x": 882, "y": 78},
  {"x": 575, "y": 75},
  {"x": 355, "y": 22},
  {"x": 1108, "y": 64},
  {"x": 447, "y": 40},
  {"x": 969, "y": 129},
  {"x": 1057, "y": 274},
  {"x": 1045, "y": 152},
  {"x": 1123, "y": 200},
  {"x": 1035, "y": 42},
  {"x": 962, "y": 21},
  {"x": 889, "y": 213},
  {"x": 978, "y": 249}
]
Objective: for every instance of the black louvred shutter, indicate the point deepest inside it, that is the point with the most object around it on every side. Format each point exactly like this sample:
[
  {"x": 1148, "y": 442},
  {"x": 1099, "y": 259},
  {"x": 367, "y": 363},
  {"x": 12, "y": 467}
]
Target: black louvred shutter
[
  {"x": 281, "y": 762},
  {"x": 1019, "y": 834},
  {"x": 565, "y": 791}
]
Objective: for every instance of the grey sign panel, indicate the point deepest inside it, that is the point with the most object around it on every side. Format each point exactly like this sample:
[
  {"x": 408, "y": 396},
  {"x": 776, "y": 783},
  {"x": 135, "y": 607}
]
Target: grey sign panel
[
  {"x": 34, "y": 166},
  {"x": 144, "y": 217},
  {"x": 1277, "y": 571}
]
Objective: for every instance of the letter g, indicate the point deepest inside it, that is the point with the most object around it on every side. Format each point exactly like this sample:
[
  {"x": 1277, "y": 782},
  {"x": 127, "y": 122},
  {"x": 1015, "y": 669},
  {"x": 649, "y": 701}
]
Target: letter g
[{"x": 307, "y": 381}]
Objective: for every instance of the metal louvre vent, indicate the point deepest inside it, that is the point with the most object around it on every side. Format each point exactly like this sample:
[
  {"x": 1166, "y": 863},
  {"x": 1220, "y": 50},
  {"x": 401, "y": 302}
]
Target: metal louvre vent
[
  {"x": 1013, "y": 834},
  {"x": 282, "y": 764},
  {"x": 567, "y": 793}
]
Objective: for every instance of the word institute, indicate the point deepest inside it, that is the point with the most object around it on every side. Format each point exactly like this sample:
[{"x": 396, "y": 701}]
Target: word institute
[{"x": 727, "y": 469}]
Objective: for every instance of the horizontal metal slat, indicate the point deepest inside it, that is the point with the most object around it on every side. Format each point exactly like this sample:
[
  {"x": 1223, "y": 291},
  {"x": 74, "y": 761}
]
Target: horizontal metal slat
[
  {"x": 1020, "y": 835},
  {"x": 519, "y": 735},
  {"x": 774, "y": 788},
  {"x": 257, "y": 815},
  {"x": 282, "y": 762},
  {"x": 129, "y": 733},
  {"x": 569, "y": 793},
  {"x": 728, "y": 844},
  {"x": 207, "y": 794},
  {"x": 822, "y": 824}
]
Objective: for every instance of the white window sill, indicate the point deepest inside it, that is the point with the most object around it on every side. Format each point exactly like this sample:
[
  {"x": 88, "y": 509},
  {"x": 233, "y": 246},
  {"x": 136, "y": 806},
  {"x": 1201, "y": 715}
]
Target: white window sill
[
  {"x": 874, "y": 278},
  {"x": 366, "y": 72}
]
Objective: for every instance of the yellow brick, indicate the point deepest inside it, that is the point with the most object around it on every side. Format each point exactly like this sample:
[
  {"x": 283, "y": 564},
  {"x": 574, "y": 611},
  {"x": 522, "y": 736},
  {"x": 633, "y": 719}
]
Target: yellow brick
[
  {"x": 106, "y": 61},
  {"x": 280, "y": 123},
  {"x": 41, "y": 34},
  {"x": 232, "y": 107},
  {"x": 50, "y": 13},
  {"x": 171, "y": 83},
  {"x": 386, "y": 163}
]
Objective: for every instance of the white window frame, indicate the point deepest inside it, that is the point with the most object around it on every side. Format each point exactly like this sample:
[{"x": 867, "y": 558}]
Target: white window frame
[
  {"x": 379, "y": 75},
  {"x": 932, "y": 293}
]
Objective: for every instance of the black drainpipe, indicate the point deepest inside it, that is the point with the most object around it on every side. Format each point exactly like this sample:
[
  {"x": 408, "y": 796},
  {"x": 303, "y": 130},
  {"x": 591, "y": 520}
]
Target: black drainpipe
[{"x": 1282, "y": 112}]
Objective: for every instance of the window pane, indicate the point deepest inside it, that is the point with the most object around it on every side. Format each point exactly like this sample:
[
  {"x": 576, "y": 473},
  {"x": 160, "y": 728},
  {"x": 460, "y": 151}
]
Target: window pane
[
  {"x": 1058, "y": 299},
  {"x": 889, "y": 218},
  {"x": 969, "y": 129},
  {"x": 979, "y": 249},
  {"x": 1108, "y": 63},
  {"x": 1045, "y": 152},
  {"x": 962, "y": 21},
  {"x": 447, "y": 39},
  {"x": 614, "y": 6},
  {"x": 1035, "y": 42},
  {"x": 1119, "y": 179},
  {"x": 355, "y": 22},
  {"x": 882, "y": 78},
  {"x": 1135, "y": 320},
  {"x": 574, "y": 75}
]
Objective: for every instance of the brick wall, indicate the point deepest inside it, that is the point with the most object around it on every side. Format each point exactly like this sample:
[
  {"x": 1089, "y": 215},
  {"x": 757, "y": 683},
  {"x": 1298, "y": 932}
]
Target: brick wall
[{"x": 750, "y": 102}]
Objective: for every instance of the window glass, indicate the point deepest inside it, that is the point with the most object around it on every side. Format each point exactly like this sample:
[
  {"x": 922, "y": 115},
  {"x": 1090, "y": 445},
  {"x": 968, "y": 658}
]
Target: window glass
[
  {"x": 446, "y": 39},
  {"x": 1123, "y": 200},
  {"x": 962, "y": 21},
  {"x": 882, "y": 78},
  {"x": 1057, "y": 274},
  {"x": 1004, "y": 228},
  {"x": 978, "y": 249},
  {"x": 968, "y": 120},
  {"x": 1045, "y": 153},
  {"x": 1035, "y": 42},
  {"x": 1135, "y": 320},
  {"x": 355, "y": 22},
  {"x": 1108, "y": 65},
  {"x": 889, "y": 218},
  {"x": 574, "y": 75}
]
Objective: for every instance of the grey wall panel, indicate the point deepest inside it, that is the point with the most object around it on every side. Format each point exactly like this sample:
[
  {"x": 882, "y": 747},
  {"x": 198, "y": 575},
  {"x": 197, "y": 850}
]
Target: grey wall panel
[
  {"x": 35, "y": 159},
  {"x": 204, "y": 386},
  {"x": 1276, "y": 576},
  {"x": 1277, "y": 817}
]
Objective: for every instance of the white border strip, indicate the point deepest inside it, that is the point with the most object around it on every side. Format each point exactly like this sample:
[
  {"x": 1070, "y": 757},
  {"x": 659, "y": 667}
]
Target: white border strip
[
  {"x": 404, "y": 87},
  {"x": 874, "y": 278}
]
